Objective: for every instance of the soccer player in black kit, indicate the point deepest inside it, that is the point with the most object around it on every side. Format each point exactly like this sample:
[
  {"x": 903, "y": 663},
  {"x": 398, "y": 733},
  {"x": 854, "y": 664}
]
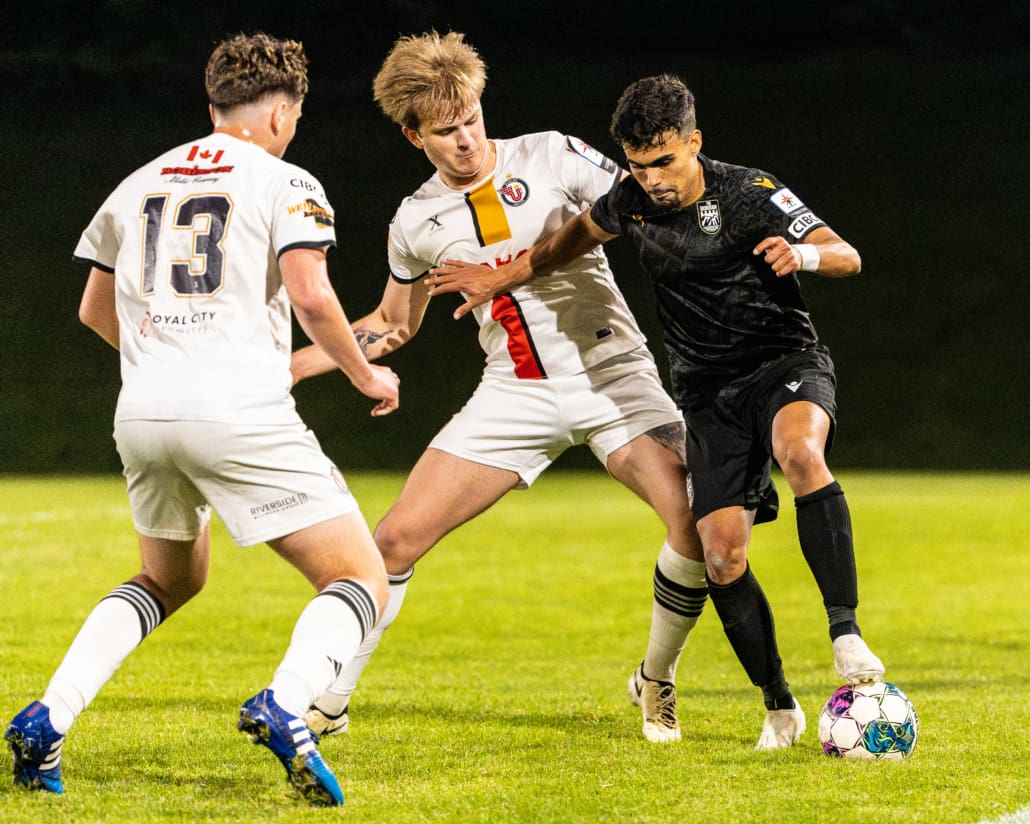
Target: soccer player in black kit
[{"x": 723, "y": 245}]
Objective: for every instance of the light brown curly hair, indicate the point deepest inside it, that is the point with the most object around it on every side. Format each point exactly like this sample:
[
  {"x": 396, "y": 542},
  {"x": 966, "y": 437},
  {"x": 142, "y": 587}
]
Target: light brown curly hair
[{"x": 247, "y": 67}]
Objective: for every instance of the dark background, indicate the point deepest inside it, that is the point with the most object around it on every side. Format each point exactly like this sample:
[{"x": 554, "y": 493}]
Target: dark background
[{"x": 903, "y": 124}]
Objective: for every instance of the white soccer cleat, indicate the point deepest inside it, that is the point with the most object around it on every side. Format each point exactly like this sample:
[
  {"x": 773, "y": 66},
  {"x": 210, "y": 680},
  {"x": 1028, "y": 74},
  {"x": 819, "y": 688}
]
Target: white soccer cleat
[
  {"x": 782, "y": 728},
  {"x": 657, "y": 702},
  {"x": 854, "y": 661},
  {"x": 321, "y": 724}
]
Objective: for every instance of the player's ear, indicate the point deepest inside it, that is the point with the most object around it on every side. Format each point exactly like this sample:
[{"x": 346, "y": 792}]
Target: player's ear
[
  {"x": 413, "y": 137},
  {"x": 211, "y": 113},
  {"x": 278, "y": 115}
]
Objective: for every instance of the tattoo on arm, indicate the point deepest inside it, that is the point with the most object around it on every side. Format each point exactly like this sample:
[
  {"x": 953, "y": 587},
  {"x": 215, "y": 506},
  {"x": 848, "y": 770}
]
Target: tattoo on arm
[
  {"x": 673, "y": 436},
  {"x": 367, "y": 338}
]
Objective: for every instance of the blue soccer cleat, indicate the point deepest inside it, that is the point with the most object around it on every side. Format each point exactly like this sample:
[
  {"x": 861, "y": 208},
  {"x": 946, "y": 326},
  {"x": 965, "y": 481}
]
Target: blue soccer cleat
[
  {"x": 36, "y": 748},
  {"x": 289, "y": 738}
]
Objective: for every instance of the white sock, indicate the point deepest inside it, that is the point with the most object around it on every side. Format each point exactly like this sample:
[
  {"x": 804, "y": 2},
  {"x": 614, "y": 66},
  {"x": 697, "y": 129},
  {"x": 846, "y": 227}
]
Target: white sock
[
  {"x": 335, "y": 700},
  {"x": 680, "y": 591},
  {"x": 325, "y": 638},
  {"x": 115, "y": 627}
]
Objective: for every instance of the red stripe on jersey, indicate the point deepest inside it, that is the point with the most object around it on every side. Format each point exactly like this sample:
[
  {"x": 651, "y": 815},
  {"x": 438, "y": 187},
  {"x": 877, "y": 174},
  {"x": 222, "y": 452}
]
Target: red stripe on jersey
[{"x": 506, "y": 311}]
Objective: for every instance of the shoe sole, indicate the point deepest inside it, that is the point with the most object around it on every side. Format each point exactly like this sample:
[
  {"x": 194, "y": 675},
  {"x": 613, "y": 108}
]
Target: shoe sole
[
  {"x": 864, "y": 677},
  {"x": 28, "y": 776},
  {"x": 298, "y": 772}
]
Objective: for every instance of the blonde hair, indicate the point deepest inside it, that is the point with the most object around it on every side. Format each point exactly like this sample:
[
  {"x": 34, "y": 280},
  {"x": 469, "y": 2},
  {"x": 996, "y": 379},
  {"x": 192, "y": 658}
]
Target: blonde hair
[
  {"x": 429, "y": 77},
  {"x": 247, "y": 67}
]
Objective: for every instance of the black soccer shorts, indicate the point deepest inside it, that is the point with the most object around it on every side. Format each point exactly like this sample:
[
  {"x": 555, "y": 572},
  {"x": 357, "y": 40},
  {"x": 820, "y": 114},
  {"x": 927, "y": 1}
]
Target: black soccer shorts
[{"x": 729, "y": 435}]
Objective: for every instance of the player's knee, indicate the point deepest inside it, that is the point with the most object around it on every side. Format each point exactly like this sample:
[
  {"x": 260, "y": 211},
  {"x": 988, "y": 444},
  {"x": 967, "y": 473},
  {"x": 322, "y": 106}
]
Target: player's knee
[
  {"x": 725, "y": 551},
  {"x": 173, "y": 591},
  {"x": 399, "y": 546},
  {"x": 801, "y": 459},
  {"x": 725, "y": 565}
]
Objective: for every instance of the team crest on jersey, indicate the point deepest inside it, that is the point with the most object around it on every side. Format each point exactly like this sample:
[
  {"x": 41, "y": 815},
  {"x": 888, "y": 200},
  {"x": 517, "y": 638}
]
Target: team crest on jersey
[
  {"x": 514, "y": 192},
  {"x": 709, "y": 216},
  {"x": 763, "y": 181},
  {"x": 786, "y": 201}
]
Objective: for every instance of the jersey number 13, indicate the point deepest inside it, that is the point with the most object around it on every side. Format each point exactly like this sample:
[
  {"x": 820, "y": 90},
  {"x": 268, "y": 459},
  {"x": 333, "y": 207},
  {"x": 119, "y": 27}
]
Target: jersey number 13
[{"x": 206, "y": 217}]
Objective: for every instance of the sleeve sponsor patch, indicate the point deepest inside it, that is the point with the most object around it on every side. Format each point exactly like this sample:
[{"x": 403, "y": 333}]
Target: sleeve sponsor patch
[
  {"x": 322, "y": 215},
  {"x": 803, "y": 224},
  {"x": 588, "y": 152},
  {"x": 786, "y": 201}
]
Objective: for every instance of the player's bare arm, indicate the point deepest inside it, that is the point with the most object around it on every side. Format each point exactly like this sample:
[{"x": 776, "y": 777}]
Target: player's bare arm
[
  {"x": 824, "y": 252},
  {"x": 322, "y": 318},
  {"x": 577, "y": 237},
  {"x": 389, "y": 326},
  {"x": 395, "y": 320},
  {"x": 97, "y": 309}
]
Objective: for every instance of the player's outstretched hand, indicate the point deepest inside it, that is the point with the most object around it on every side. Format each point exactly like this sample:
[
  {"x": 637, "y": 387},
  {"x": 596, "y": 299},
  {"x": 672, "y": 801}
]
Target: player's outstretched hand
[
  {"x": 383, "y": 386},
  {"x": 479, "y": 282}
]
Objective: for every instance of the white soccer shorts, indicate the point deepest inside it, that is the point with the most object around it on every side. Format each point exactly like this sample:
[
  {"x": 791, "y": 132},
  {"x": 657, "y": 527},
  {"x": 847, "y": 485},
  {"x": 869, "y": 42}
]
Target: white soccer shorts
[
  {"x": 263, "y": 481},
  {"x": 524, "y": 425}
]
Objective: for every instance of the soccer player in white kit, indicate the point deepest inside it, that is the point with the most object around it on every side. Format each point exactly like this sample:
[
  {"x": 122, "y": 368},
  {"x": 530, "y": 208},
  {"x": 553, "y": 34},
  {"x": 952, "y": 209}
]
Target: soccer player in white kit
[
  {"x": 566, "y": 363},
  {"x": 196, "y": 259}
]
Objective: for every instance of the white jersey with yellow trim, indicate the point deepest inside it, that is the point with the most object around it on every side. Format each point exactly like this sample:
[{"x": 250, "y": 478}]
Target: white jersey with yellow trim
[
  {"x": 193, "y": 239},
  {"x": 562, "y": 324}
]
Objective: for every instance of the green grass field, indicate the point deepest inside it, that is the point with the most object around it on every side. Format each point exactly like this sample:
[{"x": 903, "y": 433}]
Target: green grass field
[{"x": 499, "y": 695}]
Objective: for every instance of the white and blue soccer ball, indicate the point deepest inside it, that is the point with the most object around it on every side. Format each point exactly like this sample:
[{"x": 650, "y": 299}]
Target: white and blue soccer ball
[{"x": 869, "y": 721}]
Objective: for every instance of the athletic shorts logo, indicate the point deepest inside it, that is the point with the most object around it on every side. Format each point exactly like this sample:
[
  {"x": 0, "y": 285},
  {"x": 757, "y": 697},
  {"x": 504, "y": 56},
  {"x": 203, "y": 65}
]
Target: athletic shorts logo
[
  {"x": 278, "y": 505},
  {"x": 709, "y": 217},
  {"x": 338, "y": 477},
  {"x": 514, "y": 192},
  {"x": 793, "y": 386}
]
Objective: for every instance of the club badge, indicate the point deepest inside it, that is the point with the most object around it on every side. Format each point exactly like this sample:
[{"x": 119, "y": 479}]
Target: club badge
[
  {"x": 709, "y": 218},
  {"x": 514, "y": 192}
]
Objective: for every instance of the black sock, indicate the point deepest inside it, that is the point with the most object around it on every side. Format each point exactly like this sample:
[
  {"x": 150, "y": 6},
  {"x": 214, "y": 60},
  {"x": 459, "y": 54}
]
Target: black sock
[
  {"x": 748, "y": 623},
  {"x": 824, "y": 530}
]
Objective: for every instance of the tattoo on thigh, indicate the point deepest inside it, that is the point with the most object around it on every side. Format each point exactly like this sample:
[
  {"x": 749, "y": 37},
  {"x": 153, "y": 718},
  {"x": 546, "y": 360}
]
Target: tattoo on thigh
[{"x": 673, "y": 436}]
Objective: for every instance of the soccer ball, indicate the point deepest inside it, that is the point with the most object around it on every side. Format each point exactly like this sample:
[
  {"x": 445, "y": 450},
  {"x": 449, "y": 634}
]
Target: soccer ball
[{"x": 869, "y": 721}]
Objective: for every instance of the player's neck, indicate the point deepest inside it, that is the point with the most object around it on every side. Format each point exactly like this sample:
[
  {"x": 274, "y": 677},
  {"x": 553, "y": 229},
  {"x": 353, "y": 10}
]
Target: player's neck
[
  {"x": 697, "y": 187},
  {"x": 237, "y": 130}
]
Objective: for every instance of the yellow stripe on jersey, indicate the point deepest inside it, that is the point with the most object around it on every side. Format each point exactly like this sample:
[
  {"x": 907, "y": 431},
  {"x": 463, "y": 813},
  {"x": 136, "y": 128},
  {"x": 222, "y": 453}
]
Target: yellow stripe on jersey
[{"x": 488, "y": 214}]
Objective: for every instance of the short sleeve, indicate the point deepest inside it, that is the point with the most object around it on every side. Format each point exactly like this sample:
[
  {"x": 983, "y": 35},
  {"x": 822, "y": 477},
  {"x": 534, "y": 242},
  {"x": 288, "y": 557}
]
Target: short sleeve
[
  {"x": 404, "y": 266},
  {"x": 584, "y": 173},
  {"x": 302, "y": 216}
]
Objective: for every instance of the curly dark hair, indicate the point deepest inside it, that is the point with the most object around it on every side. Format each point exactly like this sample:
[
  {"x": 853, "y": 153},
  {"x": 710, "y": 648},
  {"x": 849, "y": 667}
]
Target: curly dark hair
[
  {"x": 246, "y": 67},
  {"x": 651, "y": 108}
]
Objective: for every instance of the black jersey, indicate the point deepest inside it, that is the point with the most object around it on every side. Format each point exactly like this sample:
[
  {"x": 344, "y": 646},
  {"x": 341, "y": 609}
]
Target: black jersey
[{"x": 723, "y": 311}]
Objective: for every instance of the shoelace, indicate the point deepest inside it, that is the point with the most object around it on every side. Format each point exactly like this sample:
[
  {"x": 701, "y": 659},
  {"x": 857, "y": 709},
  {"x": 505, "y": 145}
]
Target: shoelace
[{"x": 667, "y": 705}]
